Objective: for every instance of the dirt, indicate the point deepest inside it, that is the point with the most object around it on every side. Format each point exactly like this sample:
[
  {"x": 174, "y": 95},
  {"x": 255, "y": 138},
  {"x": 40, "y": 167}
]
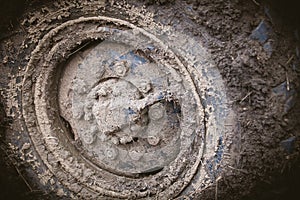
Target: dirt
[{"x": 236, "y": 59}]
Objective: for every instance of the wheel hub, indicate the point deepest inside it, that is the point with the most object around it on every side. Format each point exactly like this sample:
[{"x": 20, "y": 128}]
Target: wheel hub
[{"x": 123, "y": 115}]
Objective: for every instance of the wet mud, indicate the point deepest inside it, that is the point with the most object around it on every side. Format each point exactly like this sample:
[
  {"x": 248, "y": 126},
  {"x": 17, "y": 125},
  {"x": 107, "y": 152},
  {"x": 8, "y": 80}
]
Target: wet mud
[{"x": 139, "y": 100}]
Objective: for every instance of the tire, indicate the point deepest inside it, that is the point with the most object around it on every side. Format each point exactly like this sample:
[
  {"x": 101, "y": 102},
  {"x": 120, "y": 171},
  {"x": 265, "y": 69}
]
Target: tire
[{"x": 150, "y": 100}]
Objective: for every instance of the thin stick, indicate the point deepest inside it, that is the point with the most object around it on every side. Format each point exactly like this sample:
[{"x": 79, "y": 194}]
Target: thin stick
[
  {"x": 289, "y": 60},
  {"x": 241, "y": 170},
  {"x": 287, "y": 82},
  {"x": 79, "y": 49},
  {"x": 243, "y": 99},
  {"x": 216, "y": 194},
  {"x": 18, "y": 171},
  {"x": 256, "y": 2},
  {"x": 27, "y": 184}
]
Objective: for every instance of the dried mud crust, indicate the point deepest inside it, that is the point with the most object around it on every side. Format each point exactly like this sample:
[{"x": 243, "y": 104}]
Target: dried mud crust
[{"x": 123, "y": 100}]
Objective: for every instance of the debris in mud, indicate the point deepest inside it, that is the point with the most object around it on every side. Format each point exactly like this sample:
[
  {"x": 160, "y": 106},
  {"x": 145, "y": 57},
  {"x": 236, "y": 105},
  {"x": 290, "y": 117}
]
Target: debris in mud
[
  {"x": 288, "y": 95},
  {"x": 262, "y": 33}
]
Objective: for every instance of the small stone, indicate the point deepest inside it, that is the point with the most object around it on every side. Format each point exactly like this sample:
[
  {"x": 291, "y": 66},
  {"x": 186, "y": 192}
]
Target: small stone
[
  {"x": 52, "y": 182},
  {"x": 26, "y": 146},
  {"x": 102, "y": 92},
  {"x": 261, "y": 32},
  {"x": 126, "y": 139},
  {"x": 5, "y": 60},
  {"x": 60, "y": 192}
]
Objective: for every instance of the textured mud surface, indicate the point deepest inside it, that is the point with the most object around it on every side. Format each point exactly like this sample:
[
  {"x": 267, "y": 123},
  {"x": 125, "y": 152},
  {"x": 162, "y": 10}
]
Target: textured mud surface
[{"x": 150, "y": 100}]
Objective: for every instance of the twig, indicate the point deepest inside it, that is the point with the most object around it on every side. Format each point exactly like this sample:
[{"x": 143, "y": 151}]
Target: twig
[
  {"x": 287, "y": 82},
  {"x": 79, "y": 49},
  {"x": 289, "y": 60},
  {"x": 216, "y": 194},
  {"x": 243, "y": 99},
  {"x": 283, "y": 168},
  {"x": 201, "y": 189},
  {"x": 18, "y": 171},
  {"x": 254, "y": 1},
  {"x": 11, "y": 24},
  {"x": 241, "y": 170},
  {"x": 50, "y": 137},
  {"x": 27, "y": 184}
]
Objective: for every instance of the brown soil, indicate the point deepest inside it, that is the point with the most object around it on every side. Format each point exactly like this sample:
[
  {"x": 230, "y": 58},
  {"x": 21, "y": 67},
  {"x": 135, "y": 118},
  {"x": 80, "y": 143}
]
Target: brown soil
[{"x": 261, "y": 77}]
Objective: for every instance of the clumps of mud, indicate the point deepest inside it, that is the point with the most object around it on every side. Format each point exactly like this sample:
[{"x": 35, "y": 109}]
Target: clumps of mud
[{"x": 125, "y": 100}]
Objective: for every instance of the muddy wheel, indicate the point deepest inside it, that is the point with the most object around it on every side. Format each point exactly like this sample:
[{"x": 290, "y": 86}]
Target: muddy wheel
[{"x": 132, "y": 100}]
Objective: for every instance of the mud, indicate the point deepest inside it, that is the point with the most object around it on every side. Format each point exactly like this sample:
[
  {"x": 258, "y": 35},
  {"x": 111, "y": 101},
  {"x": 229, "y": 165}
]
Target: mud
[{"x": 215, "y": 114}]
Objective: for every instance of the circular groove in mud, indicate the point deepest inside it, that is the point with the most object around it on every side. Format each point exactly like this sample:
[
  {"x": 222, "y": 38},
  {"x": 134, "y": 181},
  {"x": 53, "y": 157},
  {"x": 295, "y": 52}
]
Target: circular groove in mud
[{"x": 100, "y": 101}]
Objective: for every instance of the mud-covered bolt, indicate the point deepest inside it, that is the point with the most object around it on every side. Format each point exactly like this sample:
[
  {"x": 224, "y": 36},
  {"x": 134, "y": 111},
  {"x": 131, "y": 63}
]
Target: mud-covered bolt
[
  {"x": 121, "y": 68},
  {"x": 88, "y": 138},
  {"x": 153, "y": 140},
  {"x": 145, "y": 87},
  {"x": 111, "y": 153},
  {"x": 156, "y": 112}
]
